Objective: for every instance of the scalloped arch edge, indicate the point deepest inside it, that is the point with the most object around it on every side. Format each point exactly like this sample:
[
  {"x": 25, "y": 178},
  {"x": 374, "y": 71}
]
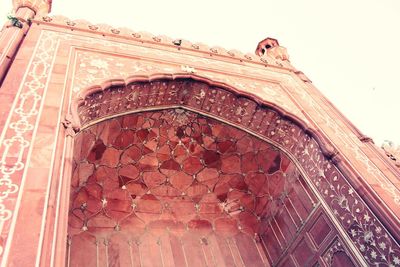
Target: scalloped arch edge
[{"x": 327, "y": 149}]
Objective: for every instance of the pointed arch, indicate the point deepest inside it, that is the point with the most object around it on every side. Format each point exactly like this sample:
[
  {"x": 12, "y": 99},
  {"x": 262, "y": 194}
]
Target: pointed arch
[{"x": 320, "y": 163}]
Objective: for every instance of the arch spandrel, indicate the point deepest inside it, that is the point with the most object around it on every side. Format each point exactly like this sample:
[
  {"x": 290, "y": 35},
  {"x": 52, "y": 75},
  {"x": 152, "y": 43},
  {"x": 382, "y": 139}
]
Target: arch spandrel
[
  {"x": 307, "y": 148},
  {"x": 92, "y": 68}
]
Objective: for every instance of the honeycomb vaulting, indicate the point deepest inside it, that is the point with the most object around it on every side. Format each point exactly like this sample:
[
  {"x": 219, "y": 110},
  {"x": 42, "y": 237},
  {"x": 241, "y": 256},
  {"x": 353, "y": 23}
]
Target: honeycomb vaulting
[{"x": 177, "y": 181}]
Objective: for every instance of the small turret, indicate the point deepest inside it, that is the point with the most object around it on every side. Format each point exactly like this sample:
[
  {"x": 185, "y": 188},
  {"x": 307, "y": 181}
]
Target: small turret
[{"x": 270, "y": 46}]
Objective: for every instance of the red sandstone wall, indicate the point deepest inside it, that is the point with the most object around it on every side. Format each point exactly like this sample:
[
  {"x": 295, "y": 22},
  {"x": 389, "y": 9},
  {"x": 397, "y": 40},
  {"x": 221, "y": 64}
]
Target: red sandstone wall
[{"x": 54, "y": 63}]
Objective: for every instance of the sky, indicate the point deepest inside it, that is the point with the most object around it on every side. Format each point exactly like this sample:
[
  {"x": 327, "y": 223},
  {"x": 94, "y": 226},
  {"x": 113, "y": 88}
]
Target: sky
[{"x": 349, "y": 49}]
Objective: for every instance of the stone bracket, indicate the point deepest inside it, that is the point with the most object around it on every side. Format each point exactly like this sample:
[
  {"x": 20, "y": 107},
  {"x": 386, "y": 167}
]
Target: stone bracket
[{"x": 70, "y": 128}]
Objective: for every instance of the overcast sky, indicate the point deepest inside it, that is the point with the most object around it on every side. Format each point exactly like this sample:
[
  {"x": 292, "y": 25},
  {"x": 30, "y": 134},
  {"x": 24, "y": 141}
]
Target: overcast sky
[{"x": 349, "y": 49}]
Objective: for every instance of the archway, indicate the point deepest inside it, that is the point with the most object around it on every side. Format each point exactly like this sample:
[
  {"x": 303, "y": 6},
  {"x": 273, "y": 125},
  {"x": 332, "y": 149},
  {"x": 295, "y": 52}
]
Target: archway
[
  {"x": 181, "y": 187},
  {"x": 255, "y": 202}
]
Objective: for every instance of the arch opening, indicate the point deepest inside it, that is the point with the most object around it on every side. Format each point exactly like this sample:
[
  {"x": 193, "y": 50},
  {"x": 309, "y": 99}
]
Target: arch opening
[{"x": 289, "y": 233}]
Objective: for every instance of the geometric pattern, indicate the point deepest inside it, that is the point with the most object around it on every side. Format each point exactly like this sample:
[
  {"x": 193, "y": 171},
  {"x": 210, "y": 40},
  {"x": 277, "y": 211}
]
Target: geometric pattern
[{"x": 180, "y": 177}]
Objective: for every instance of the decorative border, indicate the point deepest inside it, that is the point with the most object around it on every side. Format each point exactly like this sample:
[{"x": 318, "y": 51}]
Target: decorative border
[{"x": 18, "y": 132}]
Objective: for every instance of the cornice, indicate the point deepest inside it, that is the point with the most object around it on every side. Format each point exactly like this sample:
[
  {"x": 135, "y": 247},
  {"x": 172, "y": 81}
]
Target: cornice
[{"x": 162, "y": 40}]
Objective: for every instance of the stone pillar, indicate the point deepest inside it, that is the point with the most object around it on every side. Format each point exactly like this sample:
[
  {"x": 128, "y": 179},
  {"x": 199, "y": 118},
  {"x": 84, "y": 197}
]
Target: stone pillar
[{"x": 16, "y": 28}]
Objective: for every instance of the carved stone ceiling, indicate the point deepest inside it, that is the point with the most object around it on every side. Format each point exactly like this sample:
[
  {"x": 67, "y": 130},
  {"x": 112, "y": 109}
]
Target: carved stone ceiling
[{"x": 174, "y": 171}]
